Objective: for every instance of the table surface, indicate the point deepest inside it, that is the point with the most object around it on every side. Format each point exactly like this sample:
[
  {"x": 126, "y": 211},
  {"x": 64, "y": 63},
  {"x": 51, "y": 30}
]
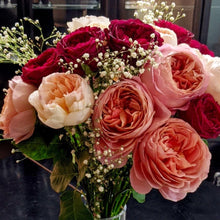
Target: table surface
[{"x": 25, "y": 194}]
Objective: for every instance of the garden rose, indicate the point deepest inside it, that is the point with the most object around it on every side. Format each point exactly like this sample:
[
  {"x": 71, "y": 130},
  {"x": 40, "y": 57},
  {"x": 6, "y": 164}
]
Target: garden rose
[
  {"x": 213, "y": 68},
  {"x": 120, "y": 31},
  {"x": 88, "y": 20},
  {"x": 45, "y": 64},
  {"x": 201, "y": 47},
  {"x": 122, "y": 114},
  {"x": 173, "y": 159},
  {"x": 63, "y": 100},
  {"x": 82, "y": 41},
  {"x": 179, "y": 77},
  {"x": 18, "y": 117},
  {"x": 203, "y": 115},
  {"x": 168, "y": 35},
  {"x": 183, "y": 35}
]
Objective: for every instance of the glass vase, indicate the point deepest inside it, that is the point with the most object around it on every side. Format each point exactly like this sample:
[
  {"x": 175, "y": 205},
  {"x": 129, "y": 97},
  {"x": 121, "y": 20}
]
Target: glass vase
[{"x": 120, "y": 216}]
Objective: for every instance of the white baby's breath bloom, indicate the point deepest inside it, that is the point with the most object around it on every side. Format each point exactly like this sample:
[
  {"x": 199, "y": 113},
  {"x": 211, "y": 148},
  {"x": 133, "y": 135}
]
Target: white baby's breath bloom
[{"x": 101, "y": 189}]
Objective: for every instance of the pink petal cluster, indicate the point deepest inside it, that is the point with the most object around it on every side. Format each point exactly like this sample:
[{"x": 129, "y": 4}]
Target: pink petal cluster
[
  {"x": 179, "y": 77},
  {"x": 18, "y": 118},
  {"x": 173, "y": 159},
  {"x": 122, "y": 114}
]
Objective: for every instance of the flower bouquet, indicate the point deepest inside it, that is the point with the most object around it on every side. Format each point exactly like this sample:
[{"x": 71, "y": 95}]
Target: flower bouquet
[{"x": 120, "y": 106}]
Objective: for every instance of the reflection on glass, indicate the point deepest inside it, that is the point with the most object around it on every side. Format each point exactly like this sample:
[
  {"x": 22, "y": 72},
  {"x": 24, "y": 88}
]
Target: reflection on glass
[
  {"x": 213, "y": 37},
  {"x": 64, "y": 4}
]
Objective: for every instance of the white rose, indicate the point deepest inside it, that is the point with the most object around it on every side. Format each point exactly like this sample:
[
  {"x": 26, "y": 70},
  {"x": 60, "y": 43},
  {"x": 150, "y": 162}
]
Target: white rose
[
  {"x": 89, "y": 20},
  {"x": 213, "y": 68}
]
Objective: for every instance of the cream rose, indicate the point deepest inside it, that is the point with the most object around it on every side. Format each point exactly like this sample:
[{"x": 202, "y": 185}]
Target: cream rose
[
  {"x": 168, "y": 35},
  {"x": 213, "y": 67},
  {"x": 63, "y": 100},
  {"x": 89, "y": 20}
]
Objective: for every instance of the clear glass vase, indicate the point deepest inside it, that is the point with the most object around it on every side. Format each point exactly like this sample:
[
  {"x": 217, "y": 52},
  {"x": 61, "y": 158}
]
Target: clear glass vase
[{"x": 120, "y": 216}]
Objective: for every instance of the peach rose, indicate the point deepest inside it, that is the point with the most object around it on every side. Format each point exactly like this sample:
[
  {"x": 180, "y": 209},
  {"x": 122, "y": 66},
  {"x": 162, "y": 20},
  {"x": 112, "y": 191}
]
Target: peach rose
[
  {"x": 173, "y": 159},
  {"x": 63, "y": 100},
  {"x": 122, "y": 114},
  {"x": 18, "y": 118},
  {"x": 88, "y": 20},
  {"x": 213, "y": 67},
  {"x": 179, "y": 77}
]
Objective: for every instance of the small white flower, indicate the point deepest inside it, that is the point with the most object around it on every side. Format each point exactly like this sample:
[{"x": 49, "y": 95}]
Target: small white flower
[
  {"x": 85, "y": 162},
  {"x": 101, "y": 189},
  {"x": 88, "y": 175},
  {"x": 173, "y": 5}
]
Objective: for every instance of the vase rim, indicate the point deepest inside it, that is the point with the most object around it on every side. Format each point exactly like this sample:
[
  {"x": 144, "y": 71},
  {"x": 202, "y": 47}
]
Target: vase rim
[{"x": 123, "y": 211}]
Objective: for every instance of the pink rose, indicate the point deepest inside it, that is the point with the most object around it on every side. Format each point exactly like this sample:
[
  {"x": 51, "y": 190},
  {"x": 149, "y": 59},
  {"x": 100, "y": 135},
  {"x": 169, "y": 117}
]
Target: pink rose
[
  {"x": 18, "y": 118},
  {"x": 122, "y": 114},
  {"x": 179, "y": 77},
  {"x": 63, "y": 100},
  {"x": 203, "y": 115},
  {"x": 173, "y": 159}
]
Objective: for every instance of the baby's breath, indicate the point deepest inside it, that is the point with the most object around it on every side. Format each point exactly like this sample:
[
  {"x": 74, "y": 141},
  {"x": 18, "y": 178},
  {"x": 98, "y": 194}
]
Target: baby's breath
[
  {"x": 149, "y": 11},
  {"x": 17, "y": 48}
]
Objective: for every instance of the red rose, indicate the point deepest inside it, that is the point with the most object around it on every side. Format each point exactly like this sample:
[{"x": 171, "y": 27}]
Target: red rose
[
  {"x": 204, "y": 116},
  {"x": 45, "y": 64},
  {"x": 183, "y": 35},
  {"x": 120, "y": 31},
  {"x": 201, "y": 47},
  {"x": 76, "y": 44}
]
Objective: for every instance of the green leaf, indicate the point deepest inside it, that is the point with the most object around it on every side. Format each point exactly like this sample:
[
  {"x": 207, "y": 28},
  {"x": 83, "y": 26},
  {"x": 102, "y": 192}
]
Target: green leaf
[
  {"x": 61, "y": 176},
  {"x": 87, "y": 69},
  {"x": 72, "y": 207},
  {"x": 206, "y": 142},
  {"x": 84, "y": 156},
  {"x": 35, "y": 147},
  {"x": 139, "y": 197},
  {"x": 43, "y": 144}
]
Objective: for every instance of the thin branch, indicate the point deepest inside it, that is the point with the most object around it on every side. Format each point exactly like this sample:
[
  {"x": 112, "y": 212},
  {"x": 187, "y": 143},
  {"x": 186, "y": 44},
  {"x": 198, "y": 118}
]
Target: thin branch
[{"x": 49, "y": 171}]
